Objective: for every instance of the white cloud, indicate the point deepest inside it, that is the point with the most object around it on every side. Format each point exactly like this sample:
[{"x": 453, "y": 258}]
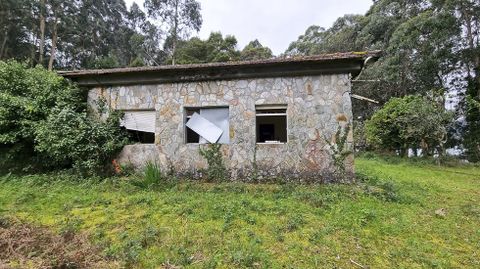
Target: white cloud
[{"x": 275, "y": 23}]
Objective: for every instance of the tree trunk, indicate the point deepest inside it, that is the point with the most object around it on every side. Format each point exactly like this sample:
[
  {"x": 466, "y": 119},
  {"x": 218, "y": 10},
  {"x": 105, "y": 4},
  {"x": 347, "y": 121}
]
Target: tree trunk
[
  {"x": 175, "y": 34},
  {"x": 477, "y": 76},
  {"x": 467, "y": 18},
  {"x": 33, "y": 47},
  {"x": 42, "y": 31},
  {"x": 5, "y": 36},
  {"x": 54, "y": 45},
  {"x": 4, "y": 43}
]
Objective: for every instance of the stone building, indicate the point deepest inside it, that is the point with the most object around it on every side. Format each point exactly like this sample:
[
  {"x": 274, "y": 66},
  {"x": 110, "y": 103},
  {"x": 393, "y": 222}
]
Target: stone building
[{"x": 275, "y": 118}]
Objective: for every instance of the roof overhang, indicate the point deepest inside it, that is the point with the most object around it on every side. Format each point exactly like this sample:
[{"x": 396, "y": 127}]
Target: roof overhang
[{"x": 337, "y": 63}]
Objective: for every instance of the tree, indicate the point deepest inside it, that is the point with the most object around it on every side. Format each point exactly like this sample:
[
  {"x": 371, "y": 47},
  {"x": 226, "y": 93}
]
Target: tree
[
  {"x": 307, "y": 44},
  {"x": 42, "y": 19},
  {"x": 411, "y": 122},
  {"x": 255, "y": 51},
  {"x": 61, "y": 18},
  {"x": 27, "y": 97},
  {"x": 341, "y": 37},
  {"x": 427, "y": 44},
  {"x": 180, "y": 16},
  {"x": 469, "y": 13},
  {"x": 215, "y": 49},
  {"x": 18, "y": 24},
  {"x": 44, "y": 124}
]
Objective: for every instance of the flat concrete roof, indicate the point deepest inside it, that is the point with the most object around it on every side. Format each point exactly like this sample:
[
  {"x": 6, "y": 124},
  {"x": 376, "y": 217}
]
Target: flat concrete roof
[{"x": 347, "y": 62}]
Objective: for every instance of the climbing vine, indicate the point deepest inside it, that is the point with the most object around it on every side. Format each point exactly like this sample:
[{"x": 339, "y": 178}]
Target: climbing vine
[
  {"x": 216, "y": 170},
  {"x": 340, "y": 149}
]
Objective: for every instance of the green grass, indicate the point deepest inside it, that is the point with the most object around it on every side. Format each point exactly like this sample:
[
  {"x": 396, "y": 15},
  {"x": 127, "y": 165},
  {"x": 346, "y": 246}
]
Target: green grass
[{"x": 386, "y": 221}]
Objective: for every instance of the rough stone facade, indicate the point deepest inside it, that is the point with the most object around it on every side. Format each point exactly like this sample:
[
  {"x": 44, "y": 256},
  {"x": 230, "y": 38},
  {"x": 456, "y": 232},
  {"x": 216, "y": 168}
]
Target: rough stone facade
[{"x": 316, "y": 107}]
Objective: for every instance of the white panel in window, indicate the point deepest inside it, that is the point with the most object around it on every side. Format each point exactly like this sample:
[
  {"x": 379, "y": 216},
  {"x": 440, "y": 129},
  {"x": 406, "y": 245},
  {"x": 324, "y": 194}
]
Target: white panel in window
[
  {"x": 204, "y": 128},
  {"x": 143, "y": 121},
  {"x": 219, "y": 117}
]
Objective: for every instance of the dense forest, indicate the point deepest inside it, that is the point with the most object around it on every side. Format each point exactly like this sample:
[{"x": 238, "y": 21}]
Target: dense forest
[
  {"x": 102, "y": 34},
  {"x": 430, "y": 47}
]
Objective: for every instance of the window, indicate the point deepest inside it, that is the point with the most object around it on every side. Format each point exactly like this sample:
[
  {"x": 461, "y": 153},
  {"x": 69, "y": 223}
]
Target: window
[
  {"x": 271, "y": 126},
  {"x": 207, "y": 125},
  {"x": 140, "y": 126},
  {"x": 190, "y": 135}
]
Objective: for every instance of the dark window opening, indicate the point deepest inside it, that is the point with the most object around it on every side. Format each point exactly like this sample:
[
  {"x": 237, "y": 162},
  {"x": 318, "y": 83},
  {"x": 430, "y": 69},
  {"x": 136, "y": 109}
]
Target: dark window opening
[
  {"x": 190, "y": 136},
  {"x": 271, "y": 126},
  {"x": 139, "y": 125},
  {"x": 141, "y": 137}
]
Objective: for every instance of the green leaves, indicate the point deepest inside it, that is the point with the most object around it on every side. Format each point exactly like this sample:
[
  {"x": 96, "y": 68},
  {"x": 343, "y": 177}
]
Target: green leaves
[
  {"x": 255, "y": 51},
  {"x": 409, "y": 122},
  {"x": 69, "y": 137},
  {"x": 27, "y": 97},
  {"x": 216, "y": 170},
  {"x": 45, "y": 115},
  {"x": 215, "y": 49}
]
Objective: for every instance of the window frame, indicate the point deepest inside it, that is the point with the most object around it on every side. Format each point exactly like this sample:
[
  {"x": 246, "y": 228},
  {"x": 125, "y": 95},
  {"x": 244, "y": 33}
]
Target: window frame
[
  {"x": 197, "y": 109},
  {"x": 129, "y": 131},
  {"x": 271, "y": 107}
]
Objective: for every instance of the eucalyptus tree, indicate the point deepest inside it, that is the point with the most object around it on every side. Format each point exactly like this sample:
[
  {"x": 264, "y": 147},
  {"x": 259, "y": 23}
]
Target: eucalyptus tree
[
  {"x": 468, "y": 14},
  {"x": 255, "y": 51},
  {"x": 214, "y": 49},
  {"x": 180, "y": 17},
  {"x": 17, "y": 39}
]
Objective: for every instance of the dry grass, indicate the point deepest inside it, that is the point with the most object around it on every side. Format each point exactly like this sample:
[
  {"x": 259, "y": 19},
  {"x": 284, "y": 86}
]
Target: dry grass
[{"x": 26, "y": 246}]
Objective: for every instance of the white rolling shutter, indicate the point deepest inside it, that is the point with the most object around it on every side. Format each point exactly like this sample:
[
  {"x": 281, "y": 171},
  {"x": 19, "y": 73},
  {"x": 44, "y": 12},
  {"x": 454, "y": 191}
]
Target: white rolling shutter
[{"x": 143, "y": 121}]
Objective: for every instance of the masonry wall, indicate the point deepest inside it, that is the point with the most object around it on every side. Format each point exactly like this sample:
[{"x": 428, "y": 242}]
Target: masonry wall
[{"x": 317, "y": 105}]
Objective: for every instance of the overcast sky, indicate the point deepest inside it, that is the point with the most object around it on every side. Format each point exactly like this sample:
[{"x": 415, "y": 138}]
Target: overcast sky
[{"x": 275, "y": 23}]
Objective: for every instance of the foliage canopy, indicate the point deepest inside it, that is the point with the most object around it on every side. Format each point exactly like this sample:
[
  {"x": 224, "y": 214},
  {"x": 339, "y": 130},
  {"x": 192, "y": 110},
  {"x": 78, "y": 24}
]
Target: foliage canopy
[
  {"x": 43, "y": 123},
  {"x": 409, "y": 122}
]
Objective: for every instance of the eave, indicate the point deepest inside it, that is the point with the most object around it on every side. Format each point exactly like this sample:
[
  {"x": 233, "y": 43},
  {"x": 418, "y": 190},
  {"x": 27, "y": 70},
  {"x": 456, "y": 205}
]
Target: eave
[{"x": 338, "y": 63}]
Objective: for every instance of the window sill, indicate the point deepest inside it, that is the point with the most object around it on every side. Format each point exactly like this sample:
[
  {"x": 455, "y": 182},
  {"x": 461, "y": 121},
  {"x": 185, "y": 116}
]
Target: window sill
[{"x": 198, "y": 144}]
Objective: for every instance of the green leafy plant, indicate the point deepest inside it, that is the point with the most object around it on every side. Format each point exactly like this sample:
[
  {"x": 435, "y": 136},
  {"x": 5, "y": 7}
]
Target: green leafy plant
[
  {"x": 340, "y": 149},
  {"x": 153, "y": 177},
  {"x": 152, "y": 174},
  {"x": 28, "y": 96},
  {"x": 216, "y": 170},
  {"x": 70, "y": 138},
  {"x": 409, "y": 122},
  {"x": 44, "y": 123}
]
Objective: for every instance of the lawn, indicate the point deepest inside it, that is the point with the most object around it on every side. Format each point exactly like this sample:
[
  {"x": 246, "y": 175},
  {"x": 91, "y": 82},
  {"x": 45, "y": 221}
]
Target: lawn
[{"x": 400, "y": 215}]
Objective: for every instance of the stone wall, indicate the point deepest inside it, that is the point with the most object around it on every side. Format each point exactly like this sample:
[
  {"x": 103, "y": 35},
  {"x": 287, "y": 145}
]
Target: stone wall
[{"x": 317, "y": 105}]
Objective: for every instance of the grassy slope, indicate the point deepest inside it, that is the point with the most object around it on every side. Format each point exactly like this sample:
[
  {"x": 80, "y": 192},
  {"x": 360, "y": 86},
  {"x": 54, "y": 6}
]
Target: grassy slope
[{"x": 384, "y": 224}]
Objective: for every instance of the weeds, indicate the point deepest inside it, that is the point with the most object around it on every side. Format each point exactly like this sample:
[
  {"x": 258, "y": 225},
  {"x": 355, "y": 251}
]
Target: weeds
[
  {"x": 383, "y": 190},
  {"x": 294, "y": 223},
  {"x": 239, "y": 225},
  {"x": 216, "y": 170},
  {"x": 152, "y": 177},
  {"x": 152, "y": 174},
  {"x": 70, "y": 225},
  {"x": 340, "y": 149}
]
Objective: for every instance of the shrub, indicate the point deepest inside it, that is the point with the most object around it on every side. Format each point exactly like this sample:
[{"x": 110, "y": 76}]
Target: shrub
[
  {"x": 409, "y": 122},
  {"x": 44, "y": 124},
  {"x": 70, "y": 138},
  {"x": 27, "y": 96}
]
